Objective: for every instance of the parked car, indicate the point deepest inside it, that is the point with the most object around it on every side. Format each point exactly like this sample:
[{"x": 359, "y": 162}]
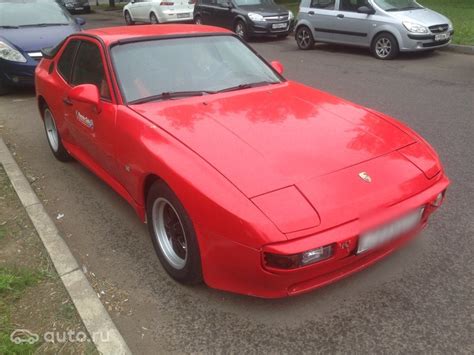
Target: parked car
[
  {"x": 247, "y": 181},
  {"x": 387, "y": 27},
  {"x": 158, "y": 11},
  {"x": 25, "y": 28},
  {"x": 246, "y": 18},
  {"x": 76, "y": 5}
]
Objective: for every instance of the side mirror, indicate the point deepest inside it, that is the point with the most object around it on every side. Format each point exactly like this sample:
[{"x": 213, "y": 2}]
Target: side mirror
[
  {"x": 80, "y": 21},
  {"x": 366, "y": 10},
  {"x": 277, "y": 66},
  {"x": 86, "y": 93}
]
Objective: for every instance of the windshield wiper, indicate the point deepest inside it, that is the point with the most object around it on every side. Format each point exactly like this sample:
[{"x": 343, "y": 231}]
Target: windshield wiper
[
  {"x": 44, "y": 24},
  {"x": 248, "y": 86},
  {"x": 169, "y": 96},
  {"x": 8, "y": 26}
]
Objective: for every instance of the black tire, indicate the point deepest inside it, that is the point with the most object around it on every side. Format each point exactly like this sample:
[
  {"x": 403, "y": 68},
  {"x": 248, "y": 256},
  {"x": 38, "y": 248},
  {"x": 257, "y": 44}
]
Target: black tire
[
  {"x": 59, "y": 152},
  {"x": 385, "y": 46},
  {"x": 198, "y": 20},
  {"x": 304, "y": 38},
  {"x": 4, "y": 89},
  {"x": 154, "y": 19},
  {"x": 128, "y": 19},
  {"x": 191, "y": 272},
  {"x": 240, "y": 29}
]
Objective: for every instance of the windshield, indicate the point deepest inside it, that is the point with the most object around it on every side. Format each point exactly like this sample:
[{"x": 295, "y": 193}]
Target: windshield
[
  {"x": 187, "y": 66},
  {"x": 398, "y": 5},
  {"x": 18, "y": 13},
  {"x": 253, "y": 2}
]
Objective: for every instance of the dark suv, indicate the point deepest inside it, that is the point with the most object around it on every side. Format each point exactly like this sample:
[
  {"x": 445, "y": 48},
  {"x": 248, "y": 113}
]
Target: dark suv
[{"x": 246, "y": 18}]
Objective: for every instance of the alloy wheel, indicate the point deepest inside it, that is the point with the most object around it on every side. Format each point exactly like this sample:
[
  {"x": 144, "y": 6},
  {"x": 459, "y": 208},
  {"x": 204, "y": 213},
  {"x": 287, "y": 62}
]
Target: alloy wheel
[
  {"x": 169, "y": 233},
  {"x": 383, "y": 47},
  {"x": 51, "y": 130}
]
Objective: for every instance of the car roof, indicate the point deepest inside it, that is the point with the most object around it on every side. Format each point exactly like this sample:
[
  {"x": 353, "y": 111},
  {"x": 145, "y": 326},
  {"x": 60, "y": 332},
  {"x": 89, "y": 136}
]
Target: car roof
[{"x": 114, "y": 34}]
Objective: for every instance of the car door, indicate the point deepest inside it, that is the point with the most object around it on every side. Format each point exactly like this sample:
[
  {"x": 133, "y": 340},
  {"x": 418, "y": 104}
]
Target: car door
[
  {"x": 207, "y": 12},
  {"x": 223, "y": 15},
  {"x": 352, "y": 27},
  {"x": 92, "y": 129},
  {"x": 322, "y": 15},
  {"x": 137, "y": 10}
]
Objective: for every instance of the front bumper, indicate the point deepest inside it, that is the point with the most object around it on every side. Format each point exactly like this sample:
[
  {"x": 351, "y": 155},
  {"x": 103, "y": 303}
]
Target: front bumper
[
  {"x": 237, "y": 268},
  {"x": 415, "y": 42},
  {"x": 267, "y": 28},
  {"x": 18, "y": 74}
]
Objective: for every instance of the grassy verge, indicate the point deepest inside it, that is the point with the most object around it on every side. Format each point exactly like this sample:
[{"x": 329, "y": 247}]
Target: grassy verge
[
  {"x": 461, "y": 12},
  {"x": 32, "y": 297}
]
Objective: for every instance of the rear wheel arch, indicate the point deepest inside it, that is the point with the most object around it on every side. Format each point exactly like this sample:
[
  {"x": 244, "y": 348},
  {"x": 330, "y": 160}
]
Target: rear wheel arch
[{"x": 42, "y": 105}]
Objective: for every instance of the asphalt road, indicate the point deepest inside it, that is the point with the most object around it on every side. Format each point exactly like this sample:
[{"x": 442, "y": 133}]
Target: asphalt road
[{"x": 418, "y": 300}]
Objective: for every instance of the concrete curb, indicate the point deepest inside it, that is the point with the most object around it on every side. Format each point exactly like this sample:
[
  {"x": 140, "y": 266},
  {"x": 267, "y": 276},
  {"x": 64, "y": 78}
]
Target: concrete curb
[
  {"x": 458, "y": 48},
  {"x": 97, "y": 321}
]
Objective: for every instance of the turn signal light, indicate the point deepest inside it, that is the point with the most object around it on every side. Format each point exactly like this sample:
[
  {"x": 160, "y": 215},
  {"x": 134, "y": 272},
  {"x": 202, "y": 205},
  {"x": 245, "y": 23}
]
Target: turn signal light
[{"x": 294, "y": 261}]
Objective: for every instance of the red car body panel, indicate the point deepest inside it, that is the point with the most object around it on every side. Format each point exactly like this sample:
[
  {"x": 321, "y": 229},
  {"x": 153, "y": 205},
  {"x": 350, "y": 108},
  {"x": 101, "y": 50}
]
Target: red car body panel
[{"x": 268, "y": 169}]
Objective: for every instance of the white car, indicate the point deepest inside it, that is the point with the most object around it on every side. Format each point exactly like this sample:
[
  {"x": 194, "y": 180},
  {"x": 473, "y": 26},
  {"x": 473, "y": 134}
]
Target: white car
[{"x": 158, "y": 11}]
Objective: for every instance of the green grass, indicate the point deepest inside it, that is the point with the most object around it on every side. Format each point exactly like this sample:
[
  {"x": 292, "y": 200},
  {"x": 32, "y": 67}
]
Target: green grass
[
  {"x": 12, "y": 283},
  {"x": 461, "y": 12}
]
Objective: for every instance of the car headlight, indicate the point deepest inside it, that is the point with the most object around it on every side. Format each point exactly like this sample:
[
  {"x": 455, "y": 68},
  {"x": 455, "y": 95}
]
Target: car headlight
[
  {"x": 290, "y": 15},
  {"x": 255, "y": 17},
  {"x": 11, "y": 54},
  {"x": 415, "y": 28}
]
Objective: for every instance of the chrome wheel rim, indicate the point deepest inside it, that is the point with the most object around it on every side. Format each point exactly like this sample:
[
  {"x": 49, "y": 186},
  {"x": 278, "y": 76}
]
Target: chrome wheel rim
[
  {"x": 303, "y": 38},
  {"x": 239, "y": 30},
  {"x": 169, "y": 233},
  {"x": 383, "y": 47},
  {"x": 128, "y": 18},
  {"x": 51, "y": 130},
  {"x": 153, "y": 19}
]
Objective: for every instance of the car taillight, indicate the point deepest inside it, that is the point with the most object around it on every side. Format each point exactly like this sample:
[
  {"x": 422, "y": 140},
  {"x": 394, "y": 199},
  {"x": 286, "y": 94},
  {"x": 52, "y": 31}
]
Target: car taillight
[
  {"x": 166, "y": 3},
  {"x": 294, "y": 261}
]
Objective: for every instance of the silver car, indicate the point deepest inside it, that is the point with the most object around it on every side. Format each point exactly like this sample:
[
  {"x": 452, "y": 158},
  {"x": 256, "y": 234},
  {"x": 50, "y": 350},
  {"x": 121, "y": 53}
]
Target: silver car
[{"x": 387, "y": 27}]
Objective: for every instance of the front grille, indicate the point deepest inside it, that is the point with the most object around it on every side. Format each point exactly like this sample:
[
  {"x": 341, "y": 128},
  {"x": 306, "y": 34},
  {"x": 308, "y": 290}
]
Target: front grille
[
  {"x": 277, "y": 18},
  {"x": 439, "y": 28},
  {"x": 434, "y": 44}
]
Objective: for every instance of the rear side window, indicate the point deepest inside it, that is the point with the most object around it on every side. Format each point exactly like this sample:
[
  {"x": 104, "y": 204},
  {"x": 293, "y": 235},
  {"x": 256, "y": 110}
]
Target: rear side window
[
  {"x": 89, "y": 68},
  {"x": 323, "y": 4},
  {"x": 66, "y": 60}
]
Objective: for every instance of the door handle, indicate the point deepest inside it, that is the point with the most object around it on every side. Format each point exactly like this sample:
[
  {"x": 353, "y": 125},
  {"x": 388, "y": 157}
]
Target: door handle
[
  {"x": 311, "y": 13},
  {"x": 67, "y": 101},
  {"x": 340, "y": 15}
]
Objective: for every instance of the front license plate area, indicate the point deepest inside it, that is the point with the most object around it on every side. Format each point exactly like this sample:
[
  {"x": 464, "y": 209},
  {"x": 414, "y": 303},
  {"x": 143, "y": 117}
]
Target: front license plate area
[
  {"x": 279, "y": 26},
  {"x": 441, "y": 37},
  {"x": 373, "y": 239}
]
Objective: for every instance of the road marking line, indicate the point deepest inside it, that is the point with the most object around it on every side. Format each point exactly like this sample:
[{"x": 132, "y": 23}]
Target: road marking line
[{"x": 90, "y": 308}]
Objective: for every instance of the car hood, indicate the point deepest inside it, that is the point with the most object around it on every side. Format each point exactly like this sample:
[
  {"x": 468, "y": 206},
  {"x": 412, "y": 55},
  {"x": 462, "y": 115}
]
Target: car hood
[
  {"x": 265, "y": 138},
  {"x": 31, "y": 39},
  {"x": 425, "y": 17},
  {"x": 266, "y": 9}
]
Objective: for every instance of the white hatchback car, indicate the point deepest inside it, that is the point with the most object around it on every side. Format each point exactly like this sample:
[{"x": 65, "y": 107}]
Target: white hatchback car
[{"x": 158, "y": 11}]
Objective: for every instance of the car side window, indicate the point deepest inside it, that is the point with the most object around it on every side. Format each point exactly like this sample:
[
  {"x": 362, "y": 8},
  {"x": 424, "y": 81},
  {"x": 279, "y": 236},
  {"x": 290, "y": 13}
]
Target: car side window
[
  {"x": 89, "y": 68},
  {"x": 323, "y": 4},
  {"x": 66, "y": 60},
  {"x": 351, "y": 5}
]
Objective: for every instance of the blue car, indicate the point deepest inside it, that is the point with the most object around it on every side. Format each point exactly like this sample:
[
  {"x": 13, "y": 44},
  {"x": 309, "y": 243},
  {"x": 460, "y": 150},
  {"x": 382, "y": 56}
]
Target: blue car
[{"x": 26, "y": 27}]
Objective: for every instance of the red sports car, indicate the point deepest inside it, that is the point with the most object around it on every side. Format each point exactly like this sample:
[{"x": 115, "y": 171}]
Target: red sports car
[{"x": 249, "y": 182}]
